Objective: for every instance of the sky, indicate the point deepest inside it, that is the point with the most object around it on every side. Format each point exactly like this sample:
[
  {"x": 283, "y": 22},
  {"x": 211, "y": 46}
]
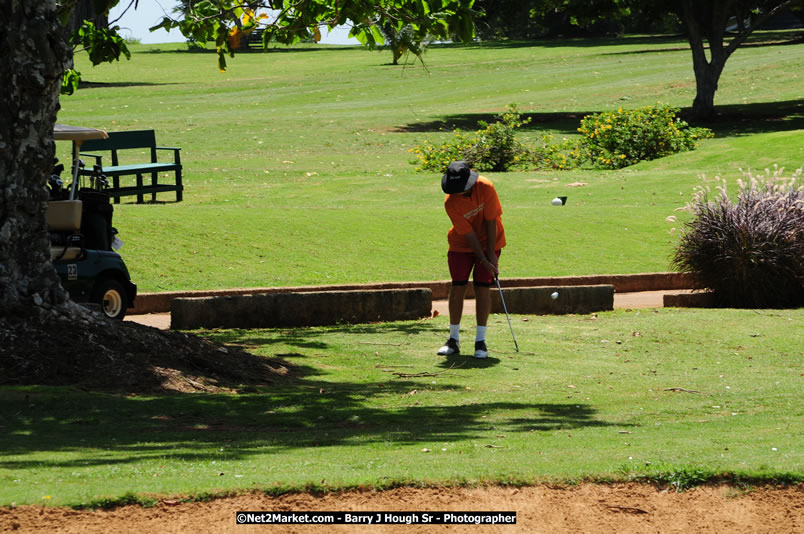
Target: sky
[{"x": 149, "y": 13}]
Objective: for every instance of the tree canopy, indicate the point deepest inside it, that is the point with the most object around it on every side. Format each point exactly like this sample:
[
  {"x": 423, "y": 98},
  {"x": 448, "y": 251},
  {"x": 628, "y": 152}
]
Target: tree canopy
[
  {"x": 225, "y": 22},
  {"x": 715, "y": 29}
]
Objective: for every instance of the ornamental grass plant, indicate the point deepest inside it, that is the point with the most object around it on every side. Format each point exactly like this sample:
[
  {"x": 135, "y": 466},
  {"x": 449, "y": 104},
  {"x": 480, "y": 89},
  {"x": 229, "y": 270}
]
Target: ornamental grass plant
[{"x": 749, "y": 251}]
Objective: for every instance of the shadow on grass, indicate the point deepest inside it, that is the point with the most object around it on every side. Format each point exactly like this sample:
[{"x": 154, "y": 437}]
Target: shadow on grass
[
  {"x": 466, "y": 361},
  {"x": 116, "y": 430},
  {"x": 565, "y": 122},
  {"x": 762, "y": 117},
  {"x": 272, "y": 48},
  {"x": 569, "y": 42},
  {"x": 313, "y": 337},
  {"x": 669, "y": 42},
  {"x": 372, "y": 404},
  {"x": 757, "y": 40},
  {"x": 731, "y": 121},
  {"x": 104, "y": 85}
]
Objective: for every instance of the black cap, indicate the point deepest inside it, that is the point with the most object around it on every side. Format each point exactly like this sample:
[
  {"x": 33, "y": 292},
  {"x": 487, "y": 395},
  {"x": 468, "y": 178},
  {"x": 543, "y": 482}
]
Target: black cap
[{"x": 458, "y": 178}]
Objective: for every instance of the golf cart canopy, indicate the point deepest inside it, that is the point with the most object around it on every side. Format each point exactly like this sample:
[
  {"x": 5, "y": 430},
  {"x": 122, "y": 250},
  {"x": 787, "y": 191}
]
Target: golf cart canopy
[
  {"x": 63, "y": 132},
  {"x": 76, "y": 134}
]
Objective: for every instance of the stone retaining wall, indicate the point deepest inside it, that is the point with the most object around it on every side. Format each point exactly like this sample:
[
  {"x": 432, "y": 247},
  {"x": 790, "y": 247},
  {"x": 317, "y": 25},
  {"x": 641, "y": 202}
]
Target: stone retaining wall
[
  {"x": 300, "y": 309},
  {"x": 539, "y": 300},
  {"x": 318, "y": 308},
  {"x": 623, "y": 283},
  {"x": 690, "y": 300}
]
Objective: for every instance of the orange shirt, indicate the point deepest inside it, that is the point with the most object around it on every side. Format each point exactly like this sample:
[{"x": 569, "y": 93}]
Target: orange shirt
[{"x": 469, "y": 214}]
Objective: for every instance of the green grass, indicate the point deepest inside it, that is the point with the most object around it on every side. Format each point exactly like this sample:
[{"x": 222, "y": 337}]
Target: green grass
[
  {"x": 586, "y": 399},
  {"x": 297, "y": 172},
  {"x": 297, "y": 166}
]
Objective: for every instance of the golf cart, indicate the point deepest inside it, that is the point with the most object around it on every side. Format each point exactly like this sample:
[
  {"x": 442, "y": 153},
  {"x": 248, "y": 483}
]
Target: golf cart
[{"x": 82, "y": 239}]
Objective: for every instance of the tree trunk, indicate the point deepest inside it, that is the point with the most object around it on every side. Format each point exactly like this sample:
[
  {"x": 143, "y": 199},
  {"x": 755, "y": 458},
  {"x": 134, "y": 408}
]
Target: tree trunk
[
  {"x": 707, "y": 74},
  {"x": 34, "y": 55},
  {"x": 85, "y": 10},
  {"x": 707, "y": 21}
]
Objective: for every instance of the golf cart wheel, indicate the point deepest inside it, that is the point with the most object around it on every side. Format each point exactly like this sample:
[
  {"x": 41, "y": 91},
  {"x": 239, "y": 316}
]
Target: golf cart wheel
[{"x": 111, "y": 297}]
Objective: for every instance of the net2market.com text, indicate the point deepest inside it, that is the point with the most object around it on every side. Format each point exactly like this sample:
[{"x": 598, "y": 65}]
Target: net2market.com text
[{"x": 377, "y": 518}]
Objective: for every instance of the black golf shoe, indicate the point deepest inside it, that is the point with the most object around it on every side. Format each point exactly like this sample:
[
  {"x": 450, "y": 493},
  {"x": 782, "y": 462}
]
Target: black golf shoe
[{"x": 450, "y": 348}]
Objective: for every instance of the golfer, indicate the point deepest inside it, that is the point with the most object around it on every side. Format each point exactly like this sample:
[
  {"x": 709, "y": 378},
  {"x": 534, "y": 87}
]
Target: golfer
[{"x": 475, "y": 241}]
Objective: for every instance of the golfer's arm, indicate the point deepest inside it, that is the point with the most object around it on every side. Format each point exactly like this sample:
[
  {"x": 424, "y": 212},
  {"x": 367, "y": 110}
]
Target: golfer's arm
[
  {"x": 491, "y": 243},
  {"x": 477, "y": 250}
]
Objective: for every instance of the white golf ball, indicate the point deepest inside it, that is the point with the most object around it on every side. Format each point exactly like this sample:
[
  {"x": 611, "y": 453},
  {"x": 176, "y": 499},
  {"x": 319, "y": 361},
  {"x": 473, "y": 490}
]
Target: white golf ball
[
  {"x": 557, "y": 202},
  {"x": 554, "y": 295}
]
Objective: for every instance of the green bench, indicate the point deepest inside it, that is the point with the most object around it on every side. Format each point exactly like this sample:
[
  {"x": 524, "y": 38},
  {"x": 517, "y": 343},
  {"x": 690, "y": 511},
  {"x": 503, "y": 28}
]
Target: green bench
[{"x": 135, "y": 139}]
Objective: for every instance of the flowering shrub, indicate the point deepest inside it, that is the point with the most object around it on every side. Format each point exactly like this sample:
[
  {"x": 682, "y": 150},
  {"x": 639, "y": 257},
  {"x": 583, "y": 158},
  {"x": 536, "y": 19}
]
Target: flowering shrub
[
  {"x": 492, "y": 148},
  {"x": 749, "y": 252},
  {"x": 621, "y": 138},
  {"x": 433, "y": 157},
  {"x": 563, "y": 155},
  {"x": 610, "y": 140}
]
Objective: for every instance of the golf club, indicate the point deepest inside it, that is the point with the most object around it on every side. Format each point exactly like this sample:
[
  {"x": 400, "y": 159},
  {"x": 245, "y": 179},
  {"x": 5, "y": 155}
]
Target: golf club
[{"x": 497, "y": 279}]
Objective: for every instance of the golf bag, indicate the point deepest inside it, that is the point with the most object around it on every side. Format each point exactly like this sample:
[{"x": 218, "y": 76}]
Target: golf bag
[{"x": 96, "y": 219}]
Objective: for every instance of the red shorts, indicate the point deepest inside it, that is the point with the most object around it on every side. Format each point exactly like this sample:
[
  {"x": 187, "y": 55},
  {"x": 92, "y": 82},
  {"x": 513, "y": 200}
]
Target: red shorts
[{"x": 461, "y": 265}]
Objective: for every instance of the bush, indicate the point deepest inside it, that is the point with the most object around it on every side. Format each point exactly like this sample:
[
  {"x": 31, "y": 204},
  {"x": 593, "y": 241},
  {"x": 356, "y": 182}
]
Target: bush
[
  {"x": 492, "y": 148},
  {"x": 495, "y": 147},
  {"x": 559, "y": 155},
  {"x": 750, "y": 252},
  {"x": 627, "y": 136},
  {"x": 611, "y": 140}
]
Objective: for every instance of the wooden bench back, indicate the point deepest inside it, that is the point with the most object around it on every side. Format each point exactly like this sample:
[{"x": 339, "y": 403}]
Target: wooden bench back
[{"x": 123, "y": 140}]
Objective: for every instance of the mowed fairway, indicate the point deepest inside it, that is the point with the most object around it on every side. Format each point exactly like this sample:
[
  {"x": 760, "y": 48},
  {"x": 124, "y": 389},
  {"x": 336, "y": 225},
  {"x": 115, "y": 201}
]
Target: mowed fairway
[{"x": 297, "y": 166}]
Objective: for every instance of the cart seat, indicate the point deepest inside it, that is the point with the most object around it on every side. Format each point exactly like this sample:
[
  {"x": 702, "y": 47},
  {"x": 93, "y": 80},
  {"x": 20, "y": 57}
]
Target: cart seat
[
  {"x": 64, "y": 216},
  {"x": 65, "y": 254}
]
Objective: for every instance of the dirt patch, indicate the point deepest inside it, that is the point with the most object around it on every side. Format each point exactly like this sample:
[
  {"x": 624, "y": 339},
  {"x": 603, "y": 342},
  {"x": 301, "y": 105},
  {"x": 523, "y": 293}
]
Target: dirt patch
[
  {"x": 622, "y": 508},
  {"x": 93, "y": 352}
]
